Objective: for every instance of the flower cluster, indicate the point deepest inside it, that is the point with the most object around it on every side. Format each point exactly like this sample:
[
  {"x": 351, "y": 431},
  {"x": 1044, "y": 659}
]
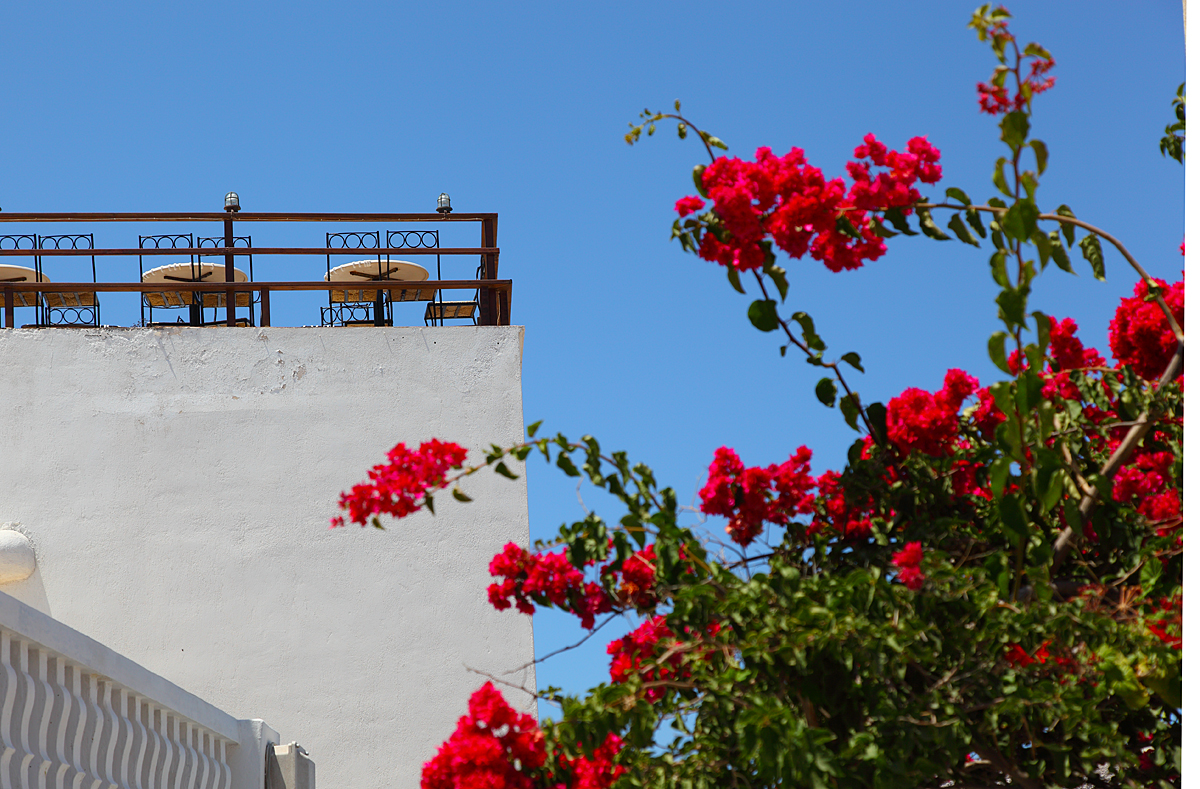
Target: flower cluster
[
  {"x": 493, "y": 747},
  {"x": 400, "y": 486},
  {"x": 749, "y": 497},
  {"x": 1139, "y": 334},
  {"x": 908, "y": 565},
  {"x": 496, "y": 747},
  {"x": 1147, "y": 483},
  {"x": 637, "y": 653},
  {"x": 551, "y": 579},
  {"x": 994, "y": 98},
  {"x": 786, "y": 199},
  {"x": 835, "y": 514},
  {"x": 924, "y": 422},
  {"x": 596, "y": 772}
]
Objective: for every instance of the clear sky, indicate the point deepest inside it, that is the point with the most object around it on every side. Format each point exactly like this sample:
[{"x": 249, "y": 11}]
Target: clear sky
[{"x": 520, "y": 109}]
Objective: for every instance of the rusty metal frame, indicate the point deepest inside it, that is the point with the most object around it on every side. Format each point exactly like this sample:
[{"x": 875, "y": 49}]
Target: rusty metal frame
[{"x": 494, "y": 294}]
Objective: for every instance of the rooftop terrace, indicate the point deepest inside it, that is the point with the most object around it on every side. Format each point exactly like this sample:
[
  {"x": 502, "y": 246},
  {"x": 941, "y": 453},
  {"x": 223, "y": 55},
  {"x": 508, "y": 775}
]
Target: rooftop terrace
[{"x": 194, "y": 269}]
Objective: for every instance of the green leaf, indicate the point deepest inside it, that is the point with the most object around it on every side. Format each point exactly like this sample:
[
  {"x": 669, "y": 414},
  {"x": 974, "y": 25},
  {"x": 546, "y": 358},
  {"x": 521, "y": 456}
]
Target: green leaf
[
  {"x": 999, "y": 263},
  {"x": 879, "y": 229},
  {"x": 929, "y": 228},
  {"x": 1021, "y": 219},
  {"x": 735, "y": 279},
  {"x": 877, "y": 415},
  {"x": 677, "y": 105},
  {"x": 996, "y": 351},
  {"x": 1039, "y": 150},
  {"x": 999, "y": 179},
  {"x": 564, "y": 462},
  {"x": 954, "y": 193},
  {"x": 962, "y": 231},
  {"x": 998, "y": 476},
  {"x": 1068, "y": 229},
  {"x": 1043, "y": 329},
  {"x": 504, "y": 471},
  {"x": 899, "y": 220},
  {"x": 762, "y": 315},
  {"x": 459, "y": 495},
  {"x": 849, "y": 406},
  {"x": 976, "y": 222},
  {"x": 1058, "y": 254},
  {"x": 1012, "y": 514},
  {"x": 846, "y": 228},
  {"x": 682, "y": 131},
  {"x": 778, "y": 275},
  {"x": 808, "y": 328},
  {"x": 698, "y": 179},
  {"x": 1014, "y": 127},
  {"x": 1037, "y": 50},
  {"x": 827, "y": 392},
  {"x": 854, "y": 360},
  {"x": 532, "y": 429},
  {"x": 1089, "y": 246}
]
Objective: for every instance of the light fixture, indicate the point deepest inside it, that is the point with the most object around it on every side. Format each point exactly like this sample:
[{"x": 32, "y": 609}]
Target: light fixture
[
  {"x": 444, "y": 203},
  {"x": 231, "y": 202}
]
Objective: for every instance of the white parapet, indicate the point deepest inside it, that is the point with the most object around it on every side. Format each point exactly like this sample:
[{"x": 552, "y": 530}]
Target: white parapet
[{"x": 74, "y": 713}]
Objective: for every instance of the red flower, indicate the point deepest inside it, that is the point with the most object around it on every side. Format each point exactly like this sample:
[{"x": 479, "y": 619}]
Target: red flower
[
  {"x": 398, "y": 487},
  {"x": 918, "y": 420},
  {"x": 688, "y": 205},
  {"x": 493, "y": 747},
  {"x": 908, "y": 563},
  {"x": 748, "y": 497},
  {"x": 1139, "y": 334}
]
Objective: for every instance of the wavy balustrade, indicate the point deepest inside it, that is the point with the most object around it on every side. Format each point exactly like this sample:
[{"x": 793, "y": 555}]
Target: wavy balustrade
[{"x": 64, "y": 727}]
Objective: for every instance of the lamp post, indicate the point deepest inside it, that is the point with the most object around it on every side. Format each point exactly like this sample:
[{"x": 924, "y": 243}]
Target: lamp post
[{"x": 232, "y": 206}]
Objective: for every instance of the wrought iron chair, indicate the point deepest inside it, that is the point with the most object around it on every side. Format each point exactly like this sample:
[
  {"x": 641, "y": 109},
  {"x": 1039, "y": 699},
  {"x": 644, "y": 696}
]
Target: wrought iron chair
[
  {"x": 216, "y": 301},
  {"x": 355, "y": 306},
  {"x": 80, "y": 308},
  {"x": 14, "y": 273},
  {"x": 172, "y": 300}
]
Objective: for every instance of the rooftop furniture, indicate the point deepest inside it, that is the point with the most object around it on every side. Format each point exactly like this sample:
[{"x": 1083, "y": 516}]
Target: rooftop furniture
[
  {"x": 195, "y": 303},
  {"x": 74, "y": 308},
  {"x": 361, "y": 272}
]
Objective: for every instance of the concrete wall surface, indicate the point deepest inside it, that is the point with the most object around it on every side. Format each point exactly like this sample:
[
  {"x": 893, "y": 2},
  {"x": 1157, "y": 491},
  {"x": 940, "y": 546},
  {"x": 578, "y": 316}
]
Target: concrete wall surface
[{"x": 177, "y": 485}]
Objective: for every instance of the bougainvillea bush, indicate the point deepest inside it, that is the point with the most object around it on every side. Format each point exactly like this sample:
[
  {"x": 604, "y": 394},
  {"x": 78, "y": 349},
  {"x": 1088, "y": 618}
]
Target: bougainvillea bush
[{"x": 988, "y": 593}]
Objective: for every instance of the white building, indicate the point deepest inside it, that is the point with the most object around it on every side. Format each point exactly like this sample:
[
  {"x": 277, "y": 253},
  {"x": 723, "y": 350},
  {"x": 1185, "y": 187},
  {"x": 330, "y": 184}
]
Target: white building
[{"x": 177, "y": 483}]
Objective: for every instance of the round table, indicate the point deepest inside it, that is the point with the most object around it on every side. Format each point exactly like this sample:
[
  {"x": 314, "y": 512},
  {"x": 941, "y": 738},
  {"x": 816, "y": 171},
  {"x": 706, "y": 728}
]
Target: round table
[
  {"x": 364, "y": 271},
  {"x": 191, "y": 272},
  {"x": 21, "y": 274}
]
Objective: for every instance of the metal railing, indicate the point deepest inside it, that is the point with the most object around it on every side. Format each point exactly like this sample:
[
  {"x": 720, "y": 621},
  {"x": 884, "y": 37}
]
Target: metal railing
[{"x": 494, "y": 294}]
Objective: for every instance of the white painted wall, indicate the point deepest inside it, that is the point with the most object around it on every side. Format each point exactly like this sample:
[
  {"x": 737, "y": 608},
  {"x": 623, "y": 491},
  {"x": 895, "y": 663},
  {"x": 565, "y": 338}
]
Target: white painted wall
[{"x": 177, "y": 486}]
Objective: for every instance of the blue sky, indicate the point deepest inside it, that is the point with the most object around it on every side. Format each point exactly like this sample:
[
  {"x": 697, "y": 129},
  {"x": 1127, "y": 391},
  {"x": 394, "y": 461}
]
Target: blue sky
[{"x": 372, "y": 106}]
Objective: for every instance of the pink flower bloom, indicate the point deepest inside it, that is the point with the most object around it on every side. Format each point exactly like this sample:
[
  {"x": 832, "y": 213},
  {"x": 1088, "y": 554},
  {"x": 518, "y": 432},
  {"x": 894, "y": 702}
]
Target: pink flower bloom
[
  {"x": 398, "y": 487},
  {"x": 688, "y": 205},
  {"x": 908, "y": 564}
]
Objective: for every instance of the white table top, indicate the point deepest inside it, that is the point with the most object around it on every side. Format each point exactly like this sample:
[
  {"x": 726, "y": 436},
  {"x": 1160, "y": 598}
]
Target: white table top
[
  {"x": 20, "y": 274},
  {"x": 191, "y": 272},
  {"x": 362, "y": 271}
]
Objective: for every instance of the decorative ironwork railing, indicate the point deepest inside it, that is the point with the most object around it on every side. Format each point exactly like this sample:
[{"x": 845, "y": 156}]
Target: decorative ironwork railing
[{"x": 492, "y": 296}]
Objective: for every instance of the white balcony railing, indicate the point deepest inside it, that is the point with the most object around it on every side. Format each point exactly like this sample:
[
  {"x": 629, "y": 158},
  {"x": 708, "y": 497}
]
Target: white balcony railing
[{"x": 74, "y": 714}]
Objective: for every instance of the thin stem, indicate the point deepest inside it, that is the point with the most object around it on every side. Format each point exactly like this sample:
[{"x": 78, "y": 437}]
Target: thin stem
[
  {"x": 827, "y": 365},
  {"x": 701, "y": 134},
  {"x": 578, "y": 643},
  {"x": 1070, "y": 220}
]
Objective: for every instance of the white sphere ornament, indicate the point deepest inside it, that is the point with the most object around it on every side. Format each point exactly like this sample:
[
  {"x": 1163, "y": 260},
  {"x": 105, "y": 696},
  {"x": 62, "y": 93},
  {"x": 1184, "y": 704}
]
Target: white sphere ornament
[{"x": 17, "y": 560}]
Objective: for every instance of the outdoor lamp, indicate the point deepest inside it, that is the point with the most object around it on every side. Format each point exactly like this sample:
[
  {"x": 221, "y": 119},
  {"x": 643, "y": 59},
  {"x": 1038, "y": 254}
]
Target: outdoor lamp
[
  {"x": 231, "y": 202},
  {"x": 443, "y": 203}
]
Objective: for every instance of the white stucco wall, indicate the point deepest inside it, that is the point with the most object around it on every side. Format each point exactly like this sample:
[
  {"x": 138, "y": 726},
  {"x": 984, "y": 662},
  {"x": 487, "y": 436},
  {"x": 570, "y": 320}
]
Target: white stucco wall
[{"x": 177, "y": 486}]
